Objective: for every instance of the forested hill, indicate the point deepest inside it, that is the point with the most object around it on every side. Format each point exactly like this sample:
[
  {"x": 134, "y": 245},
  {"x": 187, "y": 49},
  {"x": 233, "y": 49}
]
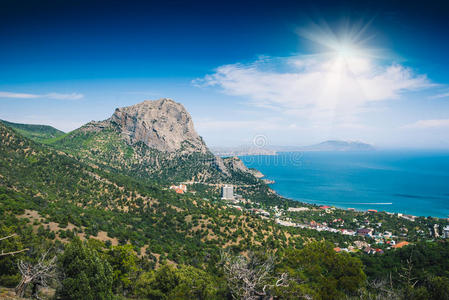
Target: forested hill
[
  {"x": 38, "y": 133},
  {"x": 78, "y": 199}
]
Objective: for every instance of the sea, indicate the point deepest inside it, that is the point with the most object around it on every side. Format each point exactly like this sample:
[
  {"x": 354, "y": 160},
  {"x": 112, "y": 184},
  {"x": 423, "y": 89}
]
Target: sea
[{"x": 408, "y": 182}]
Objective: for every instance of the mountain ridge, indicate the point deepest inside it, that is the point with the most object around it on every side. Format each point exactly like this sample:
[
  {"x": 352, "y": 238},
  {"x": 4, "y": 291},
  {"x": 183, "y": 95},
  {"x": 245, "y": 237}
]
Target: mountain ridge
[
  {"x": 36, "y": 132},
  {"x": 339, "y": 145},
  {"x": 152, "y": 139}
]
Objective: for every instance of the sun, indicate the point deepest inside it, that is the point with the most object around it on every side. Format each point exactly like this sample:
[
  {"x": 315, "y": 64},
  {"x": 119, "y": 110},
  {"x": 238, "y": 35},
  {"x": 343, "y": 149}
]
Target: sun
[
  {"x": 345, "y": 51},
  {"x": 347, "y": 42}
]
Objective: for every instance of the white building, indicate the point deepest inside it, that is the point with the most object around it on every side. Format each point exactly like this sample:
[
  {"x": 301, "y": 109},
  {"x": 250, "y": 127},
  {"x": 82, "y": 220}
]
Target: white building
[
  {"x": 286, "y": 223},
  {"x": 296, "y": 209},
  {"x": 446, "y": 232},
  {"x": 227, "y": 192}
]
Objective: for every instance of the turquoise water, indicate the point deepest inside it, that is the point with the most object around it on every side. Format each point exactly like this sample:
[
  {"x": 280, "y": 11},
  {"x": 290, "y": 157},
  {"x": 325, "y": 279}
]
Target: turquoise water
[{"x": 409, "y": 182}]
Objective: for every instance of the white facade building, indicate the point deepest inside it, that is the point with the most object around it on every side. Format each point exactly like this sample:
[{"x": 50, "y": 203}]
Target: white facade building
[
  {"x": 227, "y": 192},
  {"x": 296, "y": 209}
]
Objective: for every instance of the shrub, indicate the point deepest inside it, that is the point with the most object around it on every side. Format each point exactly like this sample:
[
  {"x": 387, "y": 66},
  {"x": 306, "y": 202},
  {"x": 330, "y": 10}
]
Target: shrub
[{"x": 84, "y": 275}]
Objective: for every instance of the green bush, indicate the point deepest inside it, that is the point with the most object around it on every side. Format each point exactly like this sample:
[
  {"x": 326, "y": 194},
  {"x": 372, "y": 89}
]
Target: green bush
[
  {"x": 84, "y": 275},
  {"x": 317, "y": 270},
  {"x": 184, "y": 282}
]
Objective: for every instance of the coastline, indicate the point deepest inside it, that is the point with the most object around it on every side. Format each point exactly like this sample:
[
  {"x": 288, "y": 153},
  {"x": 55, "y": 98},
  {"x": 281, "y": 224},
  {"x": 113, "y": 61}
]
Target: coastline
[
  {"x": 420, "y": 198},
  {"x": 318, "y": 204}
]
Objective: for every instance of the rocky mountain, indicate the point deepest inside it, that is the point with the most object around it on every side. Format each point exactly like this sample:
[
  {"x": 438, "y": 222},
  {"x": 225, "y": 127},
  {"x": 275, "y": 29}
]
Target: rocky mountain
[
  {"x": 163, "y": 124},
  {"x": 154, "y": 139}
]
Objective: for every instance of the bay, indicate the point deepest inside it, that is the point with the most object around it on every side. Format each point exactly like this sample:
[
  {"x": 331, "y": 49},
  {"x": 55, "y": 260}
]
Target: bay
[{"x": 409, "y": 182}]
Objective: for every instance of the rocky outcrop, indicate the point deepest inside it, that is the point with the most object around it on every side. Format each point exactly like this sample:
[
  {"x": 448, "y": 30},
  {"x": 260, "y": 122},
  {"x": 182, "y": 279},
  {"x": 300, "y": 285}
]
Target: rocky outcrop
[
  {"x": 234, "y": 164},
  {"x": 94, "y": 126},
  {"x": 162, "y": 124},
  {"x": 256, "y": 173},
  {"x": 219, "y": 163}
]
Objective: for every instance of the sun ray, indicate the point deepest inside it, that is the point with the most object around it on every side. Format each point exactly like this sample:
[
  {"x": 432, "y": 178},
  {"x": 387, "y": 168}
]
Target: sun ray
[{"x": 348, "y": 40}]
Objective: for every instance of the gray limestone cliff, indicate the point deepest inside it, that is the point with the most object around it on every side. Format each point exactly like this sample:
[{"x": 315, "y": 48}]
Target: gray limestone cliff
[{"x": 162, "y": 124}]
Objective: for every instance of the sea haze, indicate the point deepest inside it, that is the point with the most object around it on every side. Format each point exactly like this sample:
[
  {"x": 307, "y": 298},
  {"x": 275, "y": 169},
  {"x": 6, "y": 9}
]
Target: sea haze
[{"x": 409, "y": 182}]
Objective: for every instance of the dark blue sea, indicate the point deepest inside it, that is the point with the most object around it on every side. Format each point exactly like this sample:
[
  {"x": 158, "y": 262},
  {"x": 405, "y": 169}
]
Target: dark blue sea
[{"x": 409, "y": 182}]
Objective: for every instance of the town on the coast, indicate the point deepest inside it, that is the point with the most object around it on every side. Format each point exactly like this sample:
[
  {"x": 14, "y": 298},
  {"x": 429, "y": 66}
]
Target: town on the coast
[{"x": 370, "y": 231}]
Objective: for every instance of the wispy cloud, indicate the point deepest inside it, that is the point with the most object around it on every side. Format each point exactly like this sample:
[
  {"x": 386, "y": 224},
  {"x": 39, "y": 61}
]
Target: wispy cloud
[
  {"x": 57, "y": 96},
  {"x": 210, "y": 125},
  {"x": 18, "y": 95},
  {"x": 316, "y": 86},
  {"x": 442, "y": 95},
  {"x": 72, "y": 96},
  {"x": 425, "y": 124}
]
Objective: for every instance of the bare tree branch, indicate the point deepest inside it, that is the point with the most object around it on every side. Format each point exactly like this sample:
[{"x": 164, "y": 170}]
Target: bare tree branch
[
  {"x": 250, "y": 278},
  {"x": 37, "y": 274},
  {"x": 13, "y": 252},
  {"x": 380, "y": 290},
  {"x": 7, "y": 237}
]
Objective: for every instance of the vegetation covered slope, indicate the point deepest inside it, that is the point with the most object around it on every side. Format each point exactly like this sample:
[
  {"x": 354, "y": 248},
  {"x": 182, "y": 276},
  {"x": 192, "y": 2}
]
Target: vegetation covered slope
[
  {"x": 38, "y": 133},
  {"x": 107, "y": 149},
  {"x": 85, "y": 200}
]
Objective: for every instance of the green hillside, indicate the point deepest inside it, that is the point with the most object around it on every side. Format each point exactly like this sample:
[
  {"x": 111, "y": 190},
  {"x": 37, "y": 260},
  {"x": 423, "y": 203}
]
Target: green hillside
[
  {"x": 64, "y": 190},
  {"x": 149, "y": 242},
  {"x": 38, "y": 133},
  {"x": 107, "y": 149}
]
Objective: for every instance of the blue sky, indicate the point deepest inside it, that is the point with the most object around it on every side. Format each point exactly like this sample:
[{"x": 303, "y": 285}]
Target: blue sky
[{"x": 296, "y": 73}]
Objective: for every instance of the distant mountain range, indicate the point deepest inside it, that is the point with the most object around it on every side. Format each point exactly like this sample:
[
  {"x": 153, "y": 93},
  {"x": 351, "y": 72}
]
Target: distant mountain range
[
  {"x": 337, "y": 145},
  {"x": 330, "y": 145}
]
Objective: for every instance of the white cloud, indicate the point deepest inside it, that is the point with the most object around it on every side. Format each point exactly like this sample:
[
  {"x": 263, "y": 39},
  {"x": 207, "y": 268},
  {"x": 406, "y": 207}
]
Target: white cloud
[
  {"x": 58, "y": 96},
  {"x": 17, "y": 95},
  {"x": 318, "y": 87},
  {"x": 72, "y": 96},
  {"x": 425, "y": 124}
]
